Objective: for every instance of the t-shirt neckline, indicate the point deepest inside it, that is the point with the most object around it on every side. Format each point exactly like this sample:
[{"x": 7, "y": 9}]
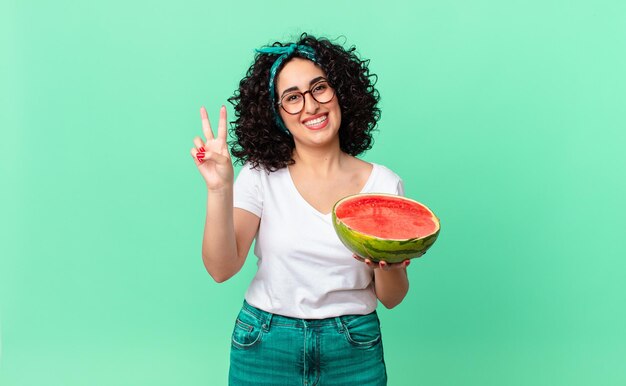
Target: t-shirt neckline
[{"x": 327, "y": 216}]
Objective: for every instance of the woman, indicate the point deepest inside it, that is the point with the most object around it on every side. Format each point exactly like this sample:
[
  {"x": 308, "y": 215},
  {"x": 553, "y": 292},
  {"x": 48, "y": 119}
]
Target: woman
[{"x": 304, "y": 111}]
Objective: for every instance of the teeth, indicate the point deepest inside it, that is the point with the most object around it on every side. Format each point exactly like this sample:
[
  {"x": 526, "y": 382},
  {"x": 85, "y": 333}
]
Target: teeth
[{"x": 316, "y": 121}]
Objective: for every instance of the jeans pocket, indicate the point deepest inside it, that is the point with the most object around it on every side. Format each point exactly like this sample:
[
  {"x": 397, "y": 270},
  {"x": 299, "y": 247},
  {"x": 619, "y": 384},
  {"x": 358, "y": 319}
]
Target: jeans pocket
[
  {"x": 247, "y": 332},
  {"x": 362, "y": 331}
]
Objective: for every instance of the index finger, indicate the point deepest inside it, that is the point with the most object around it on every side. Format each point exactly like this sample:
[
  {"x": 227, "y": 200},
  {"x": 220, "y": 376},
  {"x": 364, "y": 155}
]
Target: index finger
[
  {"x": 221, "y": 126},
  {"x": 206, "y": 125}
]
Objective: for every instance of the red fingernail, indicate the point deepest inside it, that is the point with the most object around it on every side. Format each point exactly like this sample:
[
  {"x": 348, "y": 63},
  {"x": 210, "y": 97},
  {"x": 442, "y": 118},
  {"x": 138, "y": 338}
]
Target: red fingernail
[
  {"x": 201, "y": 150},
  {"x": 406, "y": 264},
  {"x": 200, "y": 156}
]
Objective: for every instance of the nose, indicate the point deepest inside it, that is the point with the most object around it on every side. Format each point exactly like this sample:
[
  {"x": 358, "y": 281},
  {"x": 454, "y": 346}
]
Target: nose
[{"x": 310, "y": 104}]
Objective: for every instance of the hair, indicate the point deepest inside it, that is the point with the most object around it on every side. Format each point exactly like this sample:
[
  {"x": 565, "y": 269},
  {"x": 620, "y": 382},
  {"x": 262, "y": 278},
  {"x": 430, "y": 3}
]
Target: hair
[{"x": 257, "y": 139}]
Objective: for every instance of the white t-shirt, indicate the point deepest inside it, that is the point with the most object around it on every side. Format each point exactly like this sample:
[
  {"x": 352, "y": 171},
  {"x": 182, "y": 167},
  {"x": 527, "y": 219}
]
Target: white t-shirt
[{"x": 304, "y": 271}]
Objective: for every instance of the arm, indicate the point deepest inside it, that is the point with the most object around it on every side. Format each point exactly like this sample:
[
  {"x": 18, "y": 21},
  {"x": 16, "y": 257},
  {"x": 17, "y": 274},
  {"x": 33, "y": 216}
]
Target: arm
[
  {"x": 391, "y": 285},
  {"x": 228, "y": 232},
  {"x": 391, "y": 281}
]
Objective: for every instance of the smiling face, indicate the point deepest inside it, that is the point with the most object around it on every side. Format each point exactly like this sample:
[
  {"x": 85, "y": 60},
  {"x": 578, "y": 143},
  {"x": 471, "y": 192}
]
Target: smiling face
[{"x": 318, "y": 123}]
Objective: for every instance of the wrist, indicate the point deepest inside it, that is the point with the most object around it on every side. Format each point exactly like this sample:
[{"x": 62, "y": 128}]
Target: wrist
[
  {"x": 391, "y": 273},
  {"x": 223, "y": 191}
]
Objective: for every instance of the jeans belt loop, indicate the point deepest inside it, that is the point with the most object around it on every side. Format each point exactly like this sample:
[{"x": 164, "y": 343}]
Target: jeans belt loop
[
  {"x": 267, "y": 322},
  {"x": 339, "y": 324}
]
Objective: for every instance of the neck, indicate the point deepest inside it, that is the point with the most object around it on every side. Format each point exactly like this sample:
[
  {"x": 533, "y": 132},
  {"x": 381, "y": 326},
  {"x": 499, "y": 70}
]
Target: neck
[{"x": 319, "y": 161}]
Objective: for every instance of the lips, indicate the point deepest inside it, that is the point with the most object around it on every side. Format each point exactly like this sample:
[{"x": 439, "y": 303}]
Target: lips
[{"x": 316, "y": 122}]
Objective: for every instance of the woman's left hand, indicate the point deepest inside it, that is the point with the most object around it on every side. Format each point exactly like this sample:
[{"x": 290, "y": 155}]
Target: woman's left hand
[{"x": 383, "y": 264}]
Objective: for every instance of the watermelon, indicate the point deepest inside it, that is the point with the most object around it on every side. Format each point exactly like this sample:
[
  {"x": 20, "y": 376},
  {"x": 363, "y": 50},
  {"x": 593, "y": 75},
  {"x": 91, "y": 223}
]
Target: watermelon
[{"x": 384, "y": 226}]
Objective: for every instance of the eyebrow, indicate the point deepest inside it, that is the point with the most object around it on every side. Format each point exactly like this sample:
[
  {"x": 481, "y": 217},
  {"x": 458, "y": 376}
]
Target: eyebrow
[{"x": 294, "y": 88}]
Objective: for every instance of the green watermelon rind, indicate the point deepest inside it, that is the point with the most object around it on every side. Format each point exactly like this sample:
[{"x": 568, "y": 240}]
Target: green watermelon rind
[{"x": 377, "y": 249}]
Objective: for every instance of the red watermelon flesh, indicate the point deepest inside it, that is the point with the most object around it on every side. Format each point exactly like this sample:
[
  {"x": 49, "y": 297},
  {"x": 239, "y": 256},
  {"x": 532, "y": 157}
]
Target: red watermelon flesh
[{"x": 388, "y": 217}]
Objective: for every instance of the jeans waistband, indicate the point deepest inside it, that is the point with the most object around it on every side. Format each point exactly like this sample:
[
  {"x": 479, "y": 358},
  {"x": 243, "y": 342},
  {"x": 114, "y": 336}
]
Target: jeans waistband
[{"x": 268, "y": 319}]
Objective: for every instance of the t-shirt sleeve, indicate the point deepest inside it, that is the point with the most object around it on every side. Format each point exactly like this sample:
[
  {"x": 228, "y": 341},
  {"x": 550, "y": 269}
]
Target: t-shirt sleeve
[
  {"x": 387, "y": 181},
  {"x": 248, "y": 190}
]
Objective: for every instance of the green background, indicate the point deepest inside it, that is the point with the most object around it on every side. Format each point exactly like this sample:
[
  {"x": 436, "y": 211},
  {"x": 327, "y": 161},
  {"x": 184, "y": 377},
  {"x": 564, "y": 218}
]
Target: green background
[{"x": 505, "y": 117}]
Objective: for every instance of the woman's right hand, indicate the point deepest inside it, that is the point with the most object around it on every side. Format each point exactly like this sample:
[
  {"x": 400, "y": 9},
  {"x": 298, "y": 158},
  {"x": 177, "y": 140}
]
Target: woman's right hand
[{"x": 212, "y": 157}]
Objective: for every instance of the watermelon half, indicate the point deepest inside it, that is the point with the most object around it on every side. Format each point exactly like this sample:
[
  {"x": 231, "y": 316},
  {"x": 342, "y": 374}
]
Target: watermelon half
[{"x": 384, "y": 226}]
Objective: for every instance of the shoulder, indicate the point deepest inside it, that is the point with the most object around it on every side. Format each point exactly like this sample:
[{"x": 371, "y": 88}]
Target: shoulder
[
  {"x": 361, "y": 168},
  {"x": 386, "y": 180},
  {"x": 247, "y": 168},
  {"x": 373, "y": 171},
  {"x": 248, "y": 171},
  {"x": 249, "y": 190},
  {"x": 385, "y": 172},
  {"x": 248, "y": 177},
  {"x": 249, "y": 174}
]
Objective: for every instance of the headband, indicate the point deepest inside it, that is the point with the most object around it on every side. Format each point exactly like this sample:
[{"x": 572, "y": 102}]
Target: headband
[{"x": 283, "y": 53}]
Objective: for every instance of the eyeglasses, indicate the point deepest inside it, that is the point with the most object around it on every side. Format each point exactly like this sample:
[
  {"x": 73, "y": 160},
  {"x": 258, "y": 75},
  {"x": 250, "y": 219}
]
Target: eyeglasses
[{"x": 293, "y": 102}]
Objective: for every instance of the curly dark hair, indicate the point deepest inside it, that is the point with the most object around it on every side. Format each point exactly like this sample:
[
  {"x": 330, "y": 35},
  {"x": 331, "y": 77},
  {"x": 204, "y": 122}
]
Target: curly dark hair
[{"x": 256, "y": 136}]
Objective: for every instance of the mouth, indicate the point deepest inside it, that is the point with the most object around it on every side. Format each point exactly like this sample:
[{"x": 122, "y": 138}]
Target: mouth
[{"x": 316, "y": 122}]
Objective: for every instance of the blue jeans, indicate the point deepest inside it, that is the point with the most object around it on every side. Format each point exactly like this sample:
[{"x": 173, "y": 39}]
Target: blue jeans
[{"x": 269, "y": 349}]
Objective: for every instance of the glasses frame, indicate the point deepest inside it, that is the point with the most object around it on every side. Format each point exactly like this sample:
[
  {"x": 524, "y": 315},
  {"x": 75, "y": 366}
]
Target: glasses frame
[{"x": 309, "y": 91}]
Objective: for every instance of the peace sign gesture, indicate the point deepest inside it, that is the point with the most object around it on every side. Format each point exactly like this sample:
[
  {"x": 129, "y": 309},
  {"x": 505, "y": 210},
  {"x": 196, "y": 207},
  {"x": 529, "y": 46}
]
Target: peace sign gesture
[{"x": 212, "y": 157}]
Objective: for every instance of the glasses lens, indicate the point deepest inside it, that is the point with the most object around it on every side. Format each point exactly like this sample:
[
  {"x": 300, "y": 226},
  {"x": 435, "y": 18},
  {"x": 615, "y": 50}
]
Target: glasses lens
[
  {"x": 322, "y": 92},
  {"x": 292, "y": 102}
]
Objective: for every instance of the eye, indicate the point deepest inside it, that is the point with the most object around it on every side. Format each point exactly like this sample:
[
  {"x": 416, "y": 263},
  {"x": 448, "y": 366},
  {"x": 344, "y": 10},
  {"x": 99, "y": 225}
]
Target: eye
[
  {"x": 292, "y": 98},
  {"x": 320, "y": 87}
]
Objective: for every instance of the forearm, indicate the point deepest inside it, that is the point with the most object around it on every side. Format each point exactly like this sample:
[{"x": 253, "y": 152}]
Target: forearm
[
  {"x": 219, "y": 246},
  {"x": 391, "y": 286}
]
